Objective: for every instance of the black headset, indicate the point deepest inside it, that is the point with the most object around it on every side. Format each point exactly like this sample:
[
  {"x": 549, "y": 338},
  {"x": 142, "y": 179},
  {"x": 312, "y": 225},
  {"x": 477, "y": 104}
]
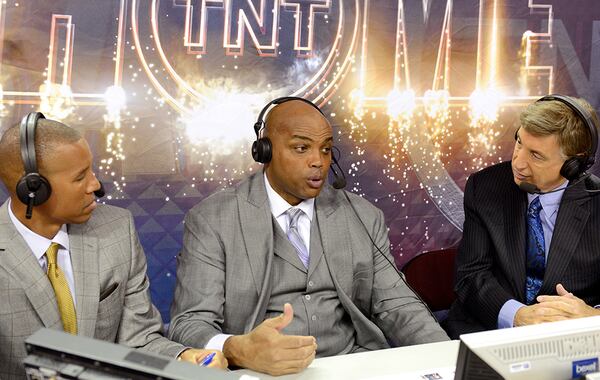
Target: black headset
[
  {"x": 575, "y": 166},
  {"x": 262, "y": 149},
  {"x": 32, "y": 189}
]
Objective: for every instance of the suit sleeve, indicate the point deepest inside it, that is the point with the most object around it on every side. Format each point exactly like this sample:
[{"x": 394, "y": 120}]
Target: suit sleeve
[
  {"x": 476, "y": 285},
  {"x": 396, "y": 309},
  {"x": 198, "y": 305},
  {"x": 141, "y": 323}
]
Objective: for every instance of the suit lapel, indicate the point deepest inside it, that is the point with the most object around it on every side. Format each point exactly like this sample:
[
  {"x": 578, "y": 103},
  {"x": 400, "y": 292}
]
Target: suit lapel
[
  {"x": 573, "y": 214},
  {"x": 18, "y": 259},
  {"x": 84, "y": 258},
  {"x": 336, "y": 248},
  {"x": 516, "y": 235},
  {"x": 257, "y": 226}
]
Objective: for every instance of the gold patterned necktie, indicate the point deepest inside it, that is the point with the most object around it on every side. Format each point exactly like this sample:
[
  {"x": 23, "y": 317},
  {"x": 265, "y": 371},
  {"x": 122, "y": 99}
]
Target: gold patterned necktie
[{"x": 61, "y": 289}]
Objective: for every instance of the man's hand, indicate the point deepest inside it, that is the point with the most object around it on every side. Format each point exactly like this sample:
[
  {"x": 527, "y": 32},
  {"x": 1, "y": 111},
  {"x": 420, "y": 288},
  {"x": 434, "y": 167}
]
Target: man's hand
[
  {"x": 265, "y": 349},
  {"x": 568, "y": 304},
  {"x": 538, "y": 313},
  {"x": 195, "y": 356},
  {"x": 554, "y": 308}
]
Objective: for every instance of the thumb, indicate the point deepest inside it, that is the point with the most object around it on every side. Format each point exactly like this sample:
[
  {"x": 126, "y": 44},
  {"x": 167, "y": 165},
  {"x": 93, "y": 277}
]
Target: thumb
[
  {"x": 561, "y": 291},
  {"x": 281, "y": 321}
]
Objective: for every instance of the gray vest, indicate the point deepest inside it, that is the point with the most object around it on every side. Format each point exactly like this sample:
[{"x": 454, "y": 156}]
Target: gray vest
[{"x": 317, "y": 308}]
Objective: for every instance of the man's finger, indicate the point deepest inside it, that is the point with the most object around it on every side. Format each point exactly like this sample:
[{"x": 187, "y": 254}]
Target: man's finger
[
  {"x": 281, "y": 321},
  {"x": 561, "y": 291},
  {"x": 297, "y": 341}
]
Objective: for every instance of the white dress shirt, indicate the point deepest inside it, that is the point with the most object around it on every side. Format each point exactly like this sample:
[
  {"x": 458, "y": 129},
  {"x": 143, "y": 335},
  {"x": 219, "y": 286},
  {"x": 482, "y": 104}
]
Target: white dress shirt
[
  {"x": 39, "y": 244},
  {"x": 279, "y": 207}
]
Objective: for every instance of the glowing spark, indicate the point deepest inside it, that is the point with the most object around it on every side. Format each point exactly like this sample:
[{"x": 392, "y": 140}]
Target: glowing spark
[
  {"x": 401, "y": 104},
  {"x": 436, "y": 104},
  {"x": 2, "y": 108},
  {"x": 115, "y": 103},
  {"x": 56, "y": 100},
  {"x": 224, "y": 120},
  {"x": 357, "y": 102},
  {"x": 484, "y": 105}
]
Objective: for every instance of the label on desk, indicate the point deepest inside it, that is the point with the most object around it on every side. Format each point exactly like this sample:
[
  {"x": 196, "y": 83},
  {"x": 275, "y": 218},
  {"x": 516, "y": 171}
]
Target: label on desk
[{"x": 444, "y": 373}]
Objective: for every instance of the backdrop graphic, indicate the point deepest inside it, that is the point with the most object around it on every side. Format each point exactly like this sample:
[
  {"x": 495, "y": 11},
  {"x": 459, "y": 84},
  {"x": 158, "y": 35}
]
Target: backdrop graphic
[{"x": 421, "y": 93}]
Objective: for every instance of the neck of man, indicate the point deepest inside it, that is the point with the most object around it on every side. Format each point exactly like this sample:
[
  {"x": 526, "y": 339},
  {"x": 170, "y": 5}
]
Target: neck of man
[{"x": 38, "y": 222}]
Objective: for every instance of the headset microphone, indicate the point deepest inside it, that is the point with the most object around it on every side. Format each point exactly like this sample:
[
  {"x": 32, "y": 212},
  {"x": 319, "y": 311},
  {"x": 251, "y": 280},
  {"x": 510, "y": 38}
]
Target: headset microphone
[
  {"x": 339, "y": 181},
  {"x": 529, "y": 188},
  {"x": 533, "y": 189},
  {"x": 100, "y": 192}
]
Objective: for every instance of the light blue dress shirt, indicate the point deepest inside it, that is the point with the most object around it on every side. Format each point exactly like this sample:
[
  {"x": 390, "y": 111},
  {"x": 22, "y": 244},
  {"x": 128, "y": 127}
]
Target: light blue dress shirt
[{"x": 550, "y": 204}]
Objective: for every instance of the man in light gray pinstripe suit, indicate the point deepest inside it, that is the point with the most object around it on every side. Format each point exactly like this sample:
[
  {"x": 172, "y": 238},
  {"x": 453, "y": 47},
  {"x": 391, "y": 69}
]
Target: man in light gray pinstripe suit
[
  {"x": 274, "y": 289},
  {"x": 99, "y": 254},
  {"x": 555, "y": 144}
]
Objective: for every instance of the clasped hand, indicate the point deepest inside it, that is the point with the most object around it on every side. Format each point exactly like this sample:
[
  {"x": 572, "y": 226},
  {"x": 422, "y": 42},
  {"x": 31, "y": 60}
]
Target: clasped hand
[{"x": 560, "y": 307}]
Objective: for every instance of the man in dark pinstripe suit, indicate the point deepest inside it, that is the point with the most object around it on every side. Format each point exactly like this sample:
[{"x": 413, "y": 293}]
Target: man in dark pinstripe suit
[{"x": 492, "y": 267}]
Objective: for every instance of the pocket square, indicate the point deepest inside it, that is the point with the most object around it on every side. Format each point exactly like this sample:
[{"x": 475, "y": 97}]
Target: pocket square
[{"x": 108, "y": 291}]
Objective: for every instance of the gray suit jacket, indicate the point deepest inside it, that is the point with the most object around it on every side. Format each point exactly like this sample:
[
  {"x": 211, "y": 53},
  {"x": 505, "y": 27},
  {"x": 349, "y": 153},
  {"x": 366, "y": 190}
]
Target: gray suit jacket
[
  {"x": 111, "y": 289},
  {"x": 223, "y": 276}
]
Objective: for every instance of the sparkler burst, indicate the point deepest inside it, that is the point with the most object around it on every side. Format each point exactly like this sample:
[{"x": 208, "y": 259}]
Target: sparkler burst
[
  {"x": 56, "y": 100},
  {"x": 401, "y": 104}
]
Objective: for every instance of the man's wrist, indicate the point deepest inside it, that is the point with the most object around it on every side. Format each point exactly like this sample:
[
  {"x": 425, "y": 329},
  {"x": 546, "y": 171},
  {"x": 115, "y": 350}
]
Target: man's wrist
[{"x": 233, "y": 350}]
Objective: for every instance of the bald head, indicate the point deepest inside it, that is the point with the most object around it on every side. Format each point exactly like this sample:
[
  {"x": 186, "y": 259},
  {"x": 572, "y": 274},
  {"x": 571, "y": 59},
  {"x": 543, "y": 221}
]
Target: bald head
[
  {"x": 286, "y": 114},
  {"x": 49, "y": 135}
]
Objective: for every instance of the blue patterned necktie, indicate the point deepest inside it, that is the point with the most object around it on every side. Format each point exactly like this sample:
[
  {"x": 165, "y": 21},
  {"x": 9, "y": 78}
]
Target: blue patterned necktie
[
  {"x": 536, "y": 257},
  {"x": 294, "y": 235}
]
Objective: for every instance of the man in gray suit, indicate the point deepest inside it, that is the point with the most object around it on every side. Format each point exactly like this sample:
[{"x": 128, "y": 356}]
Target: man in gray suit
[
  {"x": 283, "y": 266},
  {"x": 74, "y": 264}
]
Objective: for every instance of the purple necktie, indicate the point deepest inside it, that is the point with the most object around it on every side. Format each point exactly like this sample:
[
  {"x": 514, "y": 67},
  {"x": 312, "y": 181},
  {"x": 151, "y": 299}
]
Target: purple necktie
[{"x": 294, "y": 235}]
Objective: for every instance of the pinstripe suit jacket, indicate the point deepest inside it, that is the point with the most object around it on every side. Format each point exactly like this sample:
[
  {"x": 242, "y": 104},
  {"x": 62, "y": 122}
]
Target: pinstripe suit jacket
[
  {"x": 111, "y": 289},
  {"x": 490, "y": 266},
  {"x": 228, "y": 244}
]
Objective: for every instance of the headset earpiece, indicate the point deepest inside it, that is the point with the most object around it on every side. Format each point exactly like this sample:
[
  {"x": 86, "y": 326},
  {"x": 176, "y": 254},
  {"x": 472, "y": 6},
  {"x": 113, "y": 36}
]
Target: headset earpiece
[
  {"x": 262, "y": 151},
  {"x": 36, "y": 185},
  {"x": 573, "y": 167},
  {"x": 32, "y": 189}
]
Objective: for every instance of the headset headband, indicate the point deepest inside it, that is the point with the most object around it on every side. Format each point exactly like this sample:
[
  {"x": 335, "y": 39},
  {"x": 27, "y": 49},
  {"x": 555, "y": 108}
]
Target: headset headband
[
  {"x": 28, "y": 125},
  {"x": 260, "y": 121}
]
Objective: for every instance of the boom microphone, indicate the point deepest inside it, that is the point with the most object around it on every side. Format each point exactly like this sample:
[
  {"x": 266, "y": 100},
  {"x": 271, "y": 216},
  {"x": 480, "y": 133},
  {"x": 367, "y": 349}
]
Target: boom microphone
[
  {"x": 100, "y": 192},
  {"x": 339, "y": 181}
]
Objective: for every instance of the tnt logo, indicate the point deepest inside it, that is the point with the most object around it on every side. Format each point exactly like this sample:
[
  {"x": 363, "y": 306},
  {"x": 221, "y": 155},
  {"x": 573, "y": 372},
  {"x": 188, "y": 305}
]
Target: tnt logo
[{"x": 581, "y": 367}]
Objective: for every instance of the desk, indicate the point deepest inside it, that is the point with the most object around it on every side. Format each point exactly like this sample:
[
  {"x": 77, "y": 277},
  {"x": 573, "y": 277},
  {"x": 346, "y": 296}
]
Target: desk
[{"x": 374, "y": 364}]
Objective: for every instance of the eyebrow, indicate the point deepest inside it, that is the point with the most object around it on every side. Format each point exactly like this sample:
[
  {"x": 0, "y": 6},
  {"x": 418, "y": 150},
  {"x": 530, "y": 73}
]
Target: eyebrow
[
  {"x": 330, "y": 138},
  {"x": 82, "y": 171},
  {"x": 538, "y": 153}
]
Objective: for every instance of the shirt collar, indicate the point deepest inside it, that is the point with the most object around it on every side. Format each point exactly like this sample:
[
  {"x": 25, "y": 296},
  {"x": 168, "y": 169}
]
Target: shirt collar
[
  {"x": 550, "y": 202},
  {"x": 38, "y": 243},
  {"x": 279, "y": 205}
]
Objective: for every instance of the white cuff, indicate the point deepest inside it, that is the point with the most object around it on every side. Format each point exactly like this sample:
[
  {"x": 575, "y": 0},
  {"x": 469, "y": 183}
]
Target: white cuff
[{"x": 217, "y": 342}]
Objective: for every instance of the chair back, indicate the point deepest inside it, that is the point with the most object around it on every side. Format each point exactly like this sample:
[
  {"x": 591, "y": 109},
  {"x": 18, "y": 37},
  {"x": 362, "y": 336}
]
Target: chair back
[{"x": 431, "y": 275}]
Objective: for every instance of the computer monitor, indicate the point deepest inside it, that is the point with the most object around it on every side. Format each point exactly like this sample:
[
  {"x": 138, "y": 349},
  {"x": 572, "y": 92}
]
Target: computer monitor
[
  {"x": 558, "y": 350},
  {"x": 54, "y": 354}
]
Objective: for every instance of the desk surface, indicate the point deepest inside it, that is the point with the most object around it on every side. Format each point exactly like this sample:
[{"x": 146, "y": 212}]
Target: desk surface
[{"x": 377, "y": 364}]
